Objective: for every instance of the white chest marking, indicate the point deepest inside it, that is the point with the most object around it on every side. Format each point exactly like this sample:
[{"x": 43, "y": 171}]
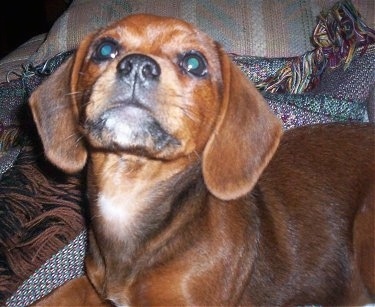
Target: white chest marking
[
  {"x": 120, "y": 212},
  {"x": 114, "y": 210}
]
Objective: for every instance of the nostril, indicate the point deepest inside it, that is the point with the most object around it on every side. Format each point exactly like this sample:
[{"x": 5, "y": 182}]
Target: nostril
[
  {"x": 125, "y": 67},
  {"x": 150, "y": 71},
  {"x": 138, "y": 64}
]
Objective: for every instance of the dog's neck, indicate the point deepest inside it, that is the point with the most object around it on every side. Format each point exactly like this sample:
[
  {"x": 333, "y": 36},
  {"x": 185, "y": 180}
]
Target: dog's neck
[
  {"x": 133, "y": 199},
  {"x": 167, "y": 208}
]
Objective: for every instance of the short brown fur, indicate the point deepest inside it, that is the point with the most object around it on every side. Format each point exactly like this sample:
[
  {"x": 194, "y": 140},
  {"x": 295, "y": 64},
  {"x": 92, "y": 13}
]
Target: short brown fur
[{"x": 196, "y": 196}]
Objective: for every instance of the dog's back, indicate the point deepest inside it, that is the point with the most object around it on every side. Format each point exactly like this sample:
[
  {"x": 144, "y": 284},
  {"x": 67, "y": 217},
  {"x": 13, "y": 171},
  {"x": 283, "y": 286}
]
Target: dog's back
[
  {"x": 316, "y": 199},
  {"x": 330, "y": 155}
]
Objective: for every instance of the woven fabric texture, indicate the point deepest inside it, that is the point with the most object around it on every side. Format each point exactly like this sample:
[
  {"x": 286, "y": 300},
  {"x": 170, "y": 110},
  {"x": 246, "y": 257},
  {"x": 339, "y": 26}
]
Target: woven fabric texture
[
  {"x": 267, "y": 28},
  {"x": 62, "y": 266},
  {"x": 41, "y": 207},
  {"x": 11, "y": 65}
]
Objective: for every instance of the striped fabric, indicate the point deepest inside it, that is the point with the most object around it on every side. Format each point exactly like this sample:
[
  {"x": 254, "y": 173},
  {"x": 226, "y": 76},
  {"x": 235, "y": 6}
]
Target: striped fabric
[
  {"x": 65, "y": 265},
  {"x": 268, "y": 28}
]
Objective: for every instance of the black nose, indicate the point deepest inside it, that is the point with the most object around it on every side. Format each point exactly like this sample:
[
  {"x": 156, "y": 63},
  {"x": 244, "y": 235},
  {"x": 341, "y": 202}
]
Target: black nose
[{"x": 140, "y": 66}]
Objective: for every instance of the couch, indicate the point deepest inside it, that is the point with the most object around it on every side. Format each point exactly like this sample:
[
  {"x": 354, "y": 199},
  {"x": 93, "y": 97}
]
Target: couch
[{"x": 313, "y": 60}]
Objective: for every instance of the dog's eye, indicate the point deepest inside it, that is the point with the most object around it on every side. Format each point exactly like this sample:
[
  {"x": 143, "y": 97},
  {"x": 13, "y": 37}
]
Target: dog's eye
[
  {"x": 194, "y": 63},
  {"x": 106, "y": 50}
]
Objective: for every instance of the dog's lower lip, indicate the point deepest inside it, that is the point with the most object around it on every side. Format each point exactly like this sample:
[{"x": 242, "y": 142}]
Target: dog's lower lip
[
  {"x": 126, "y": 112},
  {"x": 128, "y": 103},
  {"x": 129, "y": 127}
]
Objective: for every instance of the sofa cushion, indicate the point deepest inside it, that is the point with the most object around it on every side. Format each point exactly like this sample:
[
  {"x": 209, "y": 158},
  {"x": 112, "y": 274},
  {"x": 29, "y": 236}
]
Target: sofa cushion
[
  {"x": 268, "y": 28},
  {"x": 11, "y": 65}
]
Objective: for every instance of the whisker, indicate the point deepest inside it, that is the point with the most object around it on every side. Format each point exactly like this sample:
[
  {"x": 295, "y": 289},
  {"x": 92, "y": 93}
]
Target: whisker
[
  {"x": 96, "y": 216},
  {"x": 197, "y": 155},
  {"x": 77, "y": 137},
  {"x": 85, "y": 104},
  {"x": 61, "y": 107},
  {"x": 188, "y": 112},
  {"x": 74, "y": 93},
  {"x": 80, "y": 138}
]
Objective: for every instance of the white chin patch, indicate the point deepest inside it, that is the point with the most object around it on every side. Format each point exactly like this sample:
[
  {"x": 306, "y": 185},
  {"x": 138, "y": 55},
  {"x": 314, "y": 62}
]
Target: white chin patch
[
  {"x": 134, "y": 128},
  {"x": 124, "y": 126}
]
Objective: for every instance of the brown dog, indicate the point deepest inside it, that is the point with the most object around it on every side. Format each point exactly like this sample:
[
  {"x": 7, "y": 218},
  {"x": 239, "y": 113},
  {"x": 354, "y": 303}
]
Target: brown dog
[{"x": 193, "y": 201}]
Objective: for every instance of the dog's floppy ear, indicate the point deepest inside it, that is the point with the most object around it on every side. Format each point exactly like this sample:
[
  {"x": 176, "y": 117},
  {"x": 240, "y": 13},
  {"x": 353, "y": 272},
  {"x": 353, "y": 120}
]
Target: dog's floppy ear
[
  {"x": 244, "y": 140},
  {"x": 56, "y": 118}
]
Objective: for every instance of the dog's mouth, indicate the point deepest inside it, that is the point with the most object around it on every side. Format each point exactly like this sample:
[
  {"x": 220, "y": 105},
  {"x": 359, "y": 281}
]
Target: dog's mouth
[{"x": 129, "y": 128}]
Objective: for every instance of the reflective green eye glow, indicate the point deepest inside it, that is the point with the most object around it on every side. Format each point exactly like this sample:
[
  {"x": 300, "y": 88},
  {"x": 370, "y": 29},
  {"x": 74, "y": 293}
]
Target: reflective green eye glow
[
  {"x": 106, "y": 50},
  {"x": 194, "y": 63}
]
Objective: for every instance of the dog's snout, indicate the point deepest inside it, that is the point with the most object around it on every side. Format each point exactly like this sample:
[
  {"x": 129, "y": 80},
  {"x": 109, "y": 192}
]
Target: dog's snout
[{"x": 138, "y": 65}]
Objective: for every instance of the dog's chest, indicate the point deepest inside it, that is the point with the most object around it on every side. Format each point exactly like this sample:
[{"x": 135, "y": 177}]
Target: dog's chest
[
  {"x": 120, "y": 198},
  {"x": 121, "y": 209},
  {"x": 118, "y": 210}
]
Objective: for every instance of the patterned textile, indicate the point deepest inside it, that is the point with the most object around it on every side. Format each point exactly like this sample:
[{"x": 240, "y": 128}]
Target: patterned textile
[
  {"x": 14, "y": 113},
  {"x": 339, "y": 34},
  {"x": 339, "y": 94},
  {"x": 65, "y": 265},
  {"x": 305, "y": 109},
  {"x": 11, "y": 65},
  {"x": 41, "y": 208},
  {"x": 352, "y": 83},
  {"x": 333, "y": 82}
]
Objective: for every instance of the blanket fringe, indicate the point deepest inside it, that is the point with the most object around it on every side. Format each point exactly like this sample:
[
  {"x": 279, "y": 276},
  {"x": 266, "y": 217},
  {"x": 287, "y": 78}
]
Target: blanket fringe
[{"x": 43, "y": 213}]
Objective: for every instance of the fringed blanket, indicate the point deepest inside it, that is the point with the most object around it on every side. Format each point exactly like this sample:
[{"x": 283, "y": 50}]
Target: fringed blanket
[
  {"x": 42, "y": 225},
  {"x": 41, "y": 208}
]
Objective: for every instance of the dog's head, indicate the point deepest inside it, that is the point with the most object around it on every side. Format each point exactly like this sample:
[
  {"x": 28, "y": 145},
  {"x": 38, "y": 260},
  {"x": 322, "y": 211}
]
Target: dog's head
[{"x": 158, "y": 88}]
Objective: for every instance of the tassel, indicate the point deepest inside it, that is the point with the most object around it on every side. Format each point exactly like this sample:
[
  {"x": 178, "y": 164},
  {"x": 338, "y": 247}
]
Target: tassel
[{"x": 339, "y": 34}]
